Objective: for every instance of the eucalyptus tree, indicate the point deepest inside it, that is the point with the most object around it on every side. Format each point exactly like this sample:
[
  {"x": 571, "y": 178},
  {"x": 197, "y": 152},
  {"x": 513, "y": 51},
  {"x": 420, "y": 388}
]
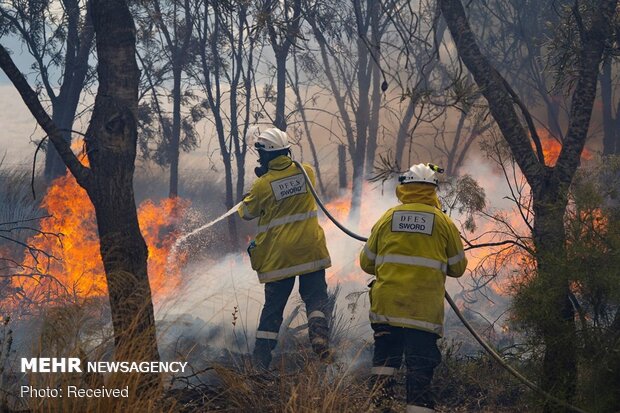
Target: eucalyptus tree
[
  {"x": 348, "y": 35},
  {"x": 281, "y": 21},
  {"x": 167, "y": 30},
  {"x": 587, "y": 28},
  {"x": 224, "y": 71},
  {"x": 58, "y": 35},
  {"x": 108, "y": 180}
]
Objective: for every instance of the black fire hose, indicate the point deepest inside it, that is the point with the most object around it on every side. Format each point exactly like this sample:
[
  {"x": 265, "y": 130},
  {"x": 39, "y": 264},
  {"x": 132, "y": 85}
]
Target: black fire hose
[{"x": 466, "y": 323}]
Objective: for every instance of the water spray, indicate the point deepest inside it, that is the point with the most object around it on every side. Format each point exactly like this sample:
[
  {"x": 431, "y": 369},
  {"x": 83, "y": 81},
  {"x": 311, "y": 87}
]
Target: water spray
[
  {"x": 181, "y": 240},
  {"x": 451, "y": 302}
]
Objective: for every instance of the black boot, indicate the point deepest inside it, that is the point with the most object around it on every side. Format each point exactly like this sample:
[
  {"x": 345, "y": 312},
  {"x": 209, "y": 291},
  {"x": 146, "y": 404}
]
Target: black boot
[
  {"x": 261, "y": 357},
  {"x": 319, "y": 337},
  {"x": 383, "y": 393}
]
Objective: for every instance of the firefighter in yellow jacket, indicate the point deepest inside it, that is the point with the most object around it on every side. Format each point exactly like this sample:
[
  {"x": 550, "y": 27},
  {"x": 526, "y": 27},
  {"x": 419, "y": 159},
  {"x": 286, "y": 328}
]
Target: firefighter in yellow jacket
[
  {"x": 411, "y": 249},
  {"x": 289, "y": 243}
]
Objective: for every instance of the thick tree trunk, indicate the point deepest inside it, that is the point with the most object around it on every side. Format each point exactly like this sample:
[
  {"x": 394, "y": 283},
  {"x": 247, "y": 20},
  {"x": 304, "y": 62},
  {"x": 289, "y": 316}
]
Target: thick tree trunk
[
  {"x": 111, "y": 145},
  {"x": 557, "y": 324},
  {"x": 549, "y": 185}
]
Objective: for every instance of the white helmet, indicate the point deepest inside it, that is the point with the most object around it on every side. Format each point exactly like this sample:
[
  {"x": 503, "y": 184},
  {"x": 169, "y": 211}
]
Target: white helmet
[
  {"x": 273, "y": 139},
  {"x": 421, "y": 173}
]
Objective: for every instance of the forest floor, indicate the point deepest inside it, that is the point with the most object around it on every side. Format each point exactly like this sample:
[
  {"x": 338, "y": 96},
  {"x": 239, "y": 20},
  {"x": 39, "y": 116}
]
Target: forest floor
[{"x": 461, "y": 386}]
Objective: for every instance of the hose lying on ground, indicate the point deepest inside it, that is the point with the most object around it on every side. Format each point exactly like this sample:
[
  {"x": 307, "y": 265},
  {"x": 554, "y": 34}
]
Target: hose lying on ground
[{"x": 466, "y": 323}]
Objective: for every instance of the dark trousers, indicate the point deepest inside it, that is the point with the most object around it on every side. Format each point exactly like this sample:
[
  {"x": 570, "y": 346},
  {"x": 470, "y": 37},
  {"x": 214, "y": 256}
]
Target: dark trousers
[
  {"x": 421, "y": 357},
  {"x": 313, "y": 291}
]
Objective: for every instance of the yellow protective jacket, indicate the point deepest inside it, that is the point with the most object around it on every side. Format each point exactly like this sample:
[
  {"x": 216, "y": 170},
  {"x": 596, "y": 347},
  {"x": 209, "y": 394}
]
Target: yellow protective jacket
[
  {"x": 289, "y": 240},
  {"x": 411, "y": 249}
]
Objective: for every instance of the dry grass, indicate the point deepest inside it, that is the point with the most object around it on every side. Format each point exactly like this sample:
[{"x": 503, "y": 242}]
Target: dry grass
[
  {"x": 299, "y": 383},
  {"x": 315, "y": 387},
  {"x": 81, "y": 331}
]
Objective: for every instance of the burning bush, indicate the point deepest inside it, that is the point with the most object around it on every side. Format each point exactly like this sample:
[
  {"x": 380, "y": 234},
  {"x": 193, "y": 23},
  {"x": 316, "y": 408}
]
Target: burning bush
[{"x": 72, "y": 269}]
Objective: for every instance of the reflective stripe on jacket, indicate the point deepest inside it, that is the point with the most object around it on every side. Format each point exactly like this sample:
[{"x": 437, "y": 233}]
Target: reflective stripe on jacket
[
  {"x": 289, "y": 239},
  {"x": 411, "y": 249}
]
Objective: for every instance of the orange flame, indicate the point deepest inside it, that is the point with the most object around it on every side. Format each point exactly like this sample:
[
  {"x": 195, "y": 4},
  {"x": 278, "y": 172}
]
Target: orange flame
[
  {"x": 74, "y": 269},
  {"x": 552, "y": 147}
]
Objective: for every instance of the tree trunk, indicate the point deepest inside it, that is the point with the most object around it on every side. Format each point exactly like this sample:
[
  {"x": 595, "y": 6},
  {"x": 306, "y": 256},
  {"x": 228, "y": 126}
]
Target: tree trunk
[
  {"x": 550, "y": 185},
  {"x": 362, "y": 115},
  {"x": 403, "y": 134},
  {"x": 375, "y": 108},
  {"x": 64, "y": 106},
  {"x": 451, "y": 155},
  {"x": 111, "y": 148},
  {"x": 559, "y": 375},
  {"x": 176, "y": 132},
  {"x": 553, "y": 116},
  {"x": 241, "y": 154},
  {"x": 227, "y": 161},
  {"x": 280, "y": 121},
  {"x": 228, "y": 180},
  {"x": 54, "y": 166},
  {"x": 232, "y": 227},
  {"x": 111, "y": 144},
  {"x": 342, "y": 166},
  {"x": 610, "y": 134}
]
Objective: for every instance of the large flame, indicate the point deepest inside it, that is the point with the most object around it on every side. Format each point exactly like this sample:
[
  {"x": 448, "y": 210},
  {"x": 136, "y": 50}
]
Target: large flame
[
  {"x": 552, "y": 147},
  {"x": 73, "y": 269}
]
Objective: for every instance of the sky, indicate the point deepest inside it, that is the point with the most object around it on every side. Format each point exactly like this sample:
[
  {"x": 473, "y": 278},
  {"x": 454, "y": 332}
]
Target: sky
[
  {"x": 17, "y": 129},
  {"x": 17, "y": 126}
]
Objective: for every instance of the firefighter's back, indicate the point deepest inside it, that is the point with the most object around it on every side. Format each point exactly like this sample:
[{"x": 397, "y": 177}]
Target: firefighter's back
[
  {"x": 411, "y": 263},
  {"x": 289, "y": 239}
]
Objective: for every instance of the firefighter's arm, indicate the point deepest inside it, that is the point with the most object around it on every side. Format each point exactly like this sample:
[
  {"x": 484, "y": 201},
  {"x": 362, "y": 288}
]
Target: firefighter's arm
[
  {"x": 369, "y": 253},
  {"x": 250, "y": 207},
  {"x": 457, "y": 262}
]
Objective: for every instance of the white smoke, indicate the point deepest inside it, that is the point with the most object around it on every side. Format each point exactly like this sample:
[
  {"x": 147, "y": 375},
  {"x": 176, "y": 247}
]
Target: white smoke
[{"x": 225, "y": 295}]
